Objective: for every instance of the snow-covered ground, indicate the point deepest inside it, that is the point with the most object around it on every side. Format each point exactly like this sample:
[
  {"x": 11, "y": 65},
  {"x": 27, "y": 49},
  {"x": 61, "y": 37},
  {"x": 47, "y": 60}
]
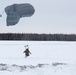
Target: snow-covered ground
[{"x": 47, "y": 58}]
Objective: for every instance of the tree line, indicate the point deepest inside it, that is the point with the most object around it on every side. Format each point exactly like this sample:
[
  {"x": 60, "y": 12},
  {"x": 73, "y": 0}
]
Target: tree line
[{"x": 37, "y": 37}]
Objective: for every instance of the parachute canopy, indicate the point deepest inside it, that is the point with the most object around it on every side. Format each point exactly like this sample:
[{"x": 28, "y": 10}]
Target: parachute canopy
[{"x": 16, "y": 11}]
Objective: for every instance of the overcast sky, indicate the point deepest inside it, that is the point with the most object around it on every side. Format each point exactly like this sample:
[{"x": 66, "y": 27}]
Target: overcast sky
[{"x": 51, "y": 16}]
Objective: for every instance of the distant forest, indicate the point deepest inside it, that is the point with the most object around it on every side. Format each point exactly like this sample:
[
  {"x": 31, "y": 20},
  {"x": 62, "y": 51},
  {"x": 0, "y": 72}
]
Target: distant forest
[{"x": 37, "y": 37}]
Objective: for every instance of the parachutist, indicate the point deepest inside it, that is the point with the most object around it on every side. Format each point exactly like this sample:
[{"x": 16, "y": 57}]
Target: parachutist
[{"x": 27, "y": 52}]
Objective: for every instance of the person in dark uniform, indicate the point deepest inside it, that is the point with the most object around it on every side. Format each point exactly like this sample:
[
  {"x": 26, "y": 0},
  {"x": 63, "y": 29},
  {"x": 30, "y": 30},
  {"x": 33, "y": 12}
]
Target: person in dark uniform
[{"x": 27, "y": 52}]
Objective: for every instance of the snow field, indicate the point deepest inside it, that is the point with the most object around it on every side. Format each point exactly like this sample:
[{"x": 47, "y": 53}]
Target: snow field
[{"x": 62, "y": 54}]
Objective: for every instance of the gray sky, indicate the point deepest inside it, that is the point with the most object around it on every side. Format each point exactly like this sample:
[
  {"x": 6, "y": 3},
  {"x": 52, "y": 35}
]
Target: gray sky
[{"x": 51, "y": 16}]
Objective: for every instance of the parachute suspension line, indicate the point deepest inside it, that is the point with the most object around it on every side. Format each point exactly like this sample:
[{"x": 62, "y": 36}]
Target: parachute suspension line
[{"x": 1, "y": 14}]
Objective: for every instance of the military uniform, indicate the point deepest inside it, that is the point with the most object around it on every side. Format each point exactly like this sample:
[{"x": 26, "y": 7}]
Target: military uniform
[{"x": 27, "y": 52}]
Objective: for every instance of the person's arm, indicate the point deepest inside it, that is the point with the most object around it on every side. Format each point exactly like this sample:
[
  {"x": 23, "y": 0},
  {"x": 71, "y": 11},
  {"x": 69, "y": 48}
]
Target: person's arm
[
  {"x": 29, "y": 52},
  {"x": 24, "y": 52}
]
